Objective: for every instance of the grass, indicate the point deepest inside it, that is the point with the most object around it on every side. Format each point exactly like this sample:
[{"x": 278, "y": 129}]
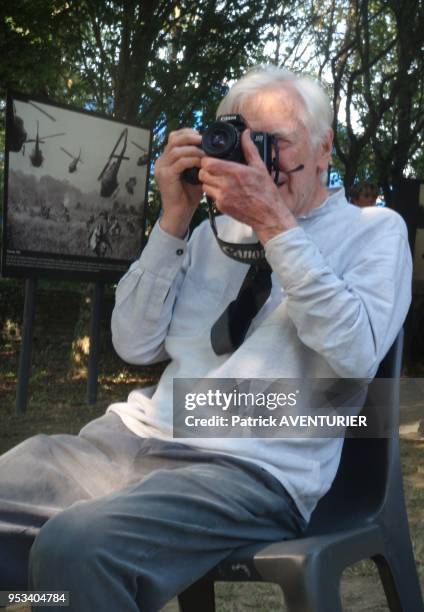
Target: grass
[
  {"x": 58, "y": 388},
  {"x": 57, "y": 404}
]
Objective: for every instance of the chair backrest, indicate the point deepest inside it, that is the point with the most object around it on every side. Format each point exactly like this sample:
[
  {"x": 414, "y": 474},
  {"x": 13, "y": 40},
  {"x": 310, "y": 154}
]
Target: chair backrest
[{"x": 368, "y": 465}]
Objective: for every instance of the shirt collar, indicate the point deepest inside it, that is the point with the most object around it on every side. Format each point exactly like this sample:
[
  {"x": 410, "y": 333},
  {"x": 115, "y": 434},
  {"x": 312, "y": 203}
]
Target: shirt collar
[{"x": 335, "y": 198}]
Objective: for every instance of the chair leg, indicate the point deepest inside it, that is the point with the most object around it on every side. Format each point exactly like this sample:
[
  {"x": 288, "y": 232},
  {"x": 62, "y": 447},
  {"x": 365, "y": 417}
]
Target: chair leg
[
  {"x": 313, "y": 598},
  {"x": 400, "y": 582},
  {"x": 198, "y": 596},
  {"x": 306, "y": 589}
]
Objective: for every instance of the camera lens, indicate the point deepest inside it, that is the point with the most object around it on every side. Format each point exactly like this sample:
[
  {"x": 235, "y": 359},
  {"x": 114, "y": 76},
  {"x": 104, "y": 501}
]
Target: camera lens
[{"x": 220, "y": 139}]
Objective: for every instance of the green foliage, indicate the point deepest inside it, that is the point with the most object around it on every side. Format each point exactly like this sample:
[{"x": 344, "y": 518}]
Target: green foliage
[
  {"x": 34, "y": 35},
  {"x": 370, "y": 54},
  {"x": 167, "y": 65},
  {"x": 162, "y": 64}
]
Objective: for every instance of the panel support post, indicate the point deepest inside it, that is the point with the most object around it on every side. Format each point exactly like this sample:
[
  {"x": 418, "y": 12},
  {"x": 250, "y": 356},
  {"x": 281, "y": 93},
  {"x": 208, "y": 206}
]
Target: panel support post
[
  {"x": 26, "y": 346},
  {"x": 93, "y": 358}
]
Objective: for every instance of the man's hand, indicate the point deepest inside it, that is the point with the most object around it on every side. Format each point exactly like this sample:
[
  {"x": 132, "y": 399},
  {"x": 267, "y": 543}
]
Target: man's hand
[
  {"x": 179, "y": 199},
  {"x": 247, "y": 192}
]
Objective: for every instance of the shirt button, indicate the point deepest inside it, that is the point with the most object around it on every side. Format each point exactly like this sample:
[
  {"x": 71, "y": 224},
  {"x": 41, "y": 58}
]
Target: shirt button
[{"x": 180, "y": 251}]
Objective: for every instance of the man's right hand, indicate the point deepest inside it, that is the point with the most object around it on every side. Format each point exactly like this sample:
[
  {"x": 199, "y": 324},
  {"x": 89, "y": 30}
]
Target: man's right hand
[{"x": 179, "y": 198}]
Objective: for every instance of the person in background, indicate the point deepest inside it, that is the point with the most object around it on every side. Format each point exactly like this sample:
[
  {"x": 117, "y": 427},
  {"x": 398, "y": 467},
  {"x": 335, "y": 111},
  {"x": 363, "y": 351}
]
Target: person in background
[{"x": 364, "y": 194}]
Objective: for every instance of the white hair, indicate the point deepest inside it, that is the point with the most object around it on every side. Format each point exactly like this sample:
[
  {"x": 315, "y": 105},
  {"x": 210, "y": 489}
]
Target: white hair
[{"x": 316, "y": 114}]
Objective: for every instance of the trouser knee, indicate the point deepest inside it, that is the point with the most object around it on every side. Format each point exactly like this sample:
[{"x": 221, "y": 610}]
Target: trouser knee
[{"x": 63, "y": 540}]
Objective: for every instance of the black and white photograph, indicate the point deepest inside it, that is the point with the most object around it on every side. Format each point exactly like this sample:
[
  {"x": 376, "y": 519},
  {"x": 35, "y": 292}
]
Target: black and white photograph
[{"x": 75, "y": 189}]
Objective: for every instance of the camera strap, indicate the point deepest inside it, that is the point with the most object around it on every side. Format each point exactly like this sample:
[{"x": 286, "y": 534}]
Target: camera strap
[
  {"x": 244, "y": 253},
  {"x": 230, "y": 329},
  {"x": 251, "y": 252}
]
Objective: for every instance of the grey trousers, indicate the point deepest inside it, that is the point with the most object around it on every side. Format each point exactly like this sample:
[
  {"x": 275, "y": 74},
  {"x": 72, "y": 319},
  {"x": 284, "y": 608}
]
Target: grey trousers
[{"x": 126, "y": 523}]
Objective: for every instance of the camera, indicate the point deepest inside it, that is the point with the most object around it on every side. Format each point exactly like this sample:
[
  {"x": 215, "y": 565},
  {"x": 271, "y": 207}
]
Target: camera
[{"x": 222, "y": 139}]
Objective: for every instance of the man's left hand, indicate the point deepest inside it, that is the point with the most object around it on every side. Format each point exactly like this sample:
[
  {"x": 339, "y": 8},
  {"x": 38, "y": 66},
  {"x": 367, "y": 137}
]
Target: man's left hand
[{"x": 247, "y": 192}]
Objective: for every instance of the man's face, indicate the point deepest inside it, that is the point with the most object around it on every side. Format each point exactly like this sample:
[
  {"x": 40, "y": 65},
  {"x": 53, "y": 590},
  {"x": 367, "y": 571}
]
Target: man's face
[{"x": 277, "y": 112}]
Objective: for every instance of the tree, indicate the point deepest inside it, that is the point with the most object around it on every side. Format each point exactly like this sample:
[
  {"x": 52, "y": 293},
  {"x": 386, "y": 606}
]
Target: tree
[
  {"x": 369, "y": 52},
  {"x": 164, "y": 63},
  {"x": 398, "y": 146},
  {"x": 33, "y": 40}
]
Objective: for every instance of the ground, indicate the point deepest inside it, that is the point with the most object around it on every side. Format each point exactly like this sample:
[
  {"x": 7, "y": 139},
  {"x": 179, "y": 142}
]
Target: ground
[{"x": 57, "y": 404}]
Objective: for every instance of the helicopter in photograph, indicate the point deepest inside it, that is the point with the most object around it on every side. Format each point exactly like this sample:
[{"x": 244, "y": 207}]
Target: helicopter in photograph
[
  {"x": 17, "y": 135},
  {"x": 109, "y": 174},
  {"x": 143, "y": 159},
  {"x": 75, "y": 160},
  {"x": 36, "y": 155}
]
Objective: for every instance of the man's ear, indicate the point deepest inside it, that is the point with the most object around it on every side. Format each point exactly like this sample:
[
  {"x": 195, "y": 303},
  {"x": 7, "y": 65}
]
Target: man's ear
[{"x": 325, "y": 151}]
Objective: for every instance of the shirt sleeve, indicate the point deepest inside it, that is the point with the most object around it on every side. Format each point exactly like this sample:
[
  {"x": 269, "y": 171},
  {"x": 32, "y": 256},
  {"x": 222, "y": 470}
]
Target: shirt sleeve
[
  {"x": 351, "y": 319},
  {"x": 145, "y": 297}
]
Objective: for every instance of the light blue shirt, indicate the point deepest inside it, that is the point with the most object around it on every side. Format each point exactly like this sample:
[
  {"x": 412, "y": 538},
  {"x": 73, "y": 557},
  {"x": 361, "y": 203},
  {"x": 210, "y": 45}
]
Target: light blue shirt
[{"x": 341, "y": 289}]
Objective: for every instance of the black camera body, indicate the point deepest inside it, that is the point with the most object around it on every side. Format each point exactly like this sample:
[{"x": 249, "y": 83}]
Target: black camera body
[{"x": 222, "y": 139}]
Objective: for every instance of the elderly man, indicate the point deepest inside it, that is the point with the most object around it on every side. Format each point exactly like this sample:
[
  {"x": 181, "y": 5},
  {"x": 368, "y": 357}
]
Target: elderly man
[{"x": 144, "y": 515}]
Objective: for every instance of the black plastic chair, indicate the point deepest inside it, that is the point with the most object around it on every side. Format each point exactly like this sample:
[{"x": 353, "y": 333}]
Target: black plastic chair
[{"x": 362, "y": 516}]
